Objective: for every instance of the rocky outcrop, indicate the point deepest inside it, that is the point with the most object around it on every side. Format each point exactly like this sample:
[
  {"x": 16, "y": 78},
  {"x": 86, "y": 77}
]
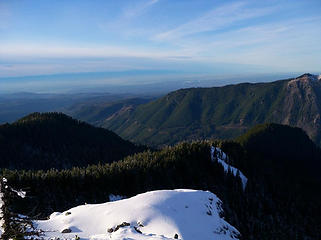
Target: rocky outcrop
[{"x": 301, "y": 105}]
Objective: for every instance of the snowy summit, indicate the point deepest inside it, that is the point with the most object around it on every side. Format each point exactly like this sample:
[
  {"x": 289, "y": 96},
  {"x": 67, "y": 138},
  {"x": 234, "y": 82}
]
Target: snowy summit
[{"x": 165, "y": 214}]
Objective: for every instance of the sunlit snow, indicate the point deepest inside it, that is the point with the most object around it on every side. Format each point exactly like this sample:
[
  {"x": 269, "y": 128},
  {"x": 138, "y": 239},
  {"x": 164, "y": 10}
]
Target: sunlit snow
[{"x": 165, "y": 214}]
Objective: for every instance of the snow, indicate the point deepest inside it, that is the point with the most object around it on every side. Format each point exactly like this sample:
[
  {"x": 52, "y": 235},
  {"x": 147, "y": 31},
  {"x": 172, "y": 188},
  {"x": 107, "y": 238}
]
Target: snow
[
  {"x": 191, "y": 214},
  {"x": 221, "y": 157},
  {"x": 1, "y": 213},
  {"x": 20, "y": 193}
]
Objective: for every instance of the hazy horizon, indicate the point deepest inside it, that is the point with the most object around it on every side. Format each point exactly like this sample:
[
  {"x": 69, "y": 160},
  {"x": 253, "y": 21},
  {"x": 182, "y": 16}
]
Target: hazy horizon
[
  {"x": 127, "y": 82},
  {"x": 64, "y": 46}
]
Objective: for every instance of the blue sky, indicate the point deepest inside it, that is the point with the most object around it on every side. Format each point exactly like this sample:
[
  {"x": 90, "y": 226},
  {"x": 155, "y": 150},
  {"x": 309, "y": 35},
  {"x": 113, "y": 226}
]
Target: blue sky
[{"x": 183, "y": 36}]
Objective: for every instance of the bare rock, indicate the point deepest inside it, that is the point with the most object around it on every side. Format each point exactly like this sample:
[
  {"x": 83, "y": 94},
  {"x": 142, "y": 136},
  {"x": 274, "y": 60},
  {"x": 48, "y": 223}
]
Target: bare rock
[{"x": 66, "y": 230}]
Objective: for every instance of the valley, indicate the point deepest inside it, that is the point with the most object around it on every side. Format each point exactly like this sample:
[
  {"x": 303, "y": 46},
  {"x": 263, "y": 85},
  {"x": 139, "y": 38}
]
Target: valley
[
  {"x": 160, "y": 120},
  {"x": 218, "y": 112}
]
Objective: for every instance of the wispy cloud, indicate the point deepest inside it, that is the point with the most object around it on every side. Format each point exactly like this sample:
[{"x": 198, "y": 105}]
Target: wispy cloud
[
  {"x": 215, "y": 19},
  {"x": 281, "y": 45},
  {"x": 135, "y": 33},
  {"x": 138, "y": 9},
  {"x": 124, "y": 23},
  {"x": 67, "y": 51}
]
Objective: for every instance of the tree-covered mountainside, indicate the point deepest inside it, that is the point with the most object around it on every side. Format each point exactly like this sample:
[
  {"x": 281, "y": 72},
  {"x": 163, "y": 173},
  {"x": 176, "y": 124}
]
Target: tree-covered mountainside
[
  {"x": 281, "y": 199},
  {"x": 222, "y": 112},
  {"x": 278, "y": 146},
  {"x": 95, "y": 112},
  {"x": 55, "y": 140}
]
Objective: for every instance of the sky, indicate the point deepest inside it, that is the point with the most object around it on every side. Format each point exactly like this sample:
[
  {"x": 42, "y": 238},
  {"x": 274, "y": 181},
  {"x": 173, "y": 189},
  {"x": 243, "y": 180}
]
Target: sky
[{"x": 179, "y": 37}]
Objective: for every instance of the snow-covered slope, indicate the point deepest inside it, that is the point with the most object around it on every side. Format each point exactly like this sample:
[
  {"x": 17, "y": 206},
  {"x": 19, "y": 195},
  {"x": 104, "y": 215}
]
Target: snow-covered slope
[
  {"x": 218, "y": 155},
  {"x": 165, "y": 214}
]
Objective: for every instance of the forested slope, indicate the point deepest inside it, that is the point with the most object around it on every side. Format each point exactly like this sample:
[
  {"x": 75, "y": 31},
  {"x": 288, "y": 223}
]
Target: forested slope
[
  {"x": 281, "y": 199},
  {"x": 54, "y": 140},
  {"x": 223, "y": 112}
]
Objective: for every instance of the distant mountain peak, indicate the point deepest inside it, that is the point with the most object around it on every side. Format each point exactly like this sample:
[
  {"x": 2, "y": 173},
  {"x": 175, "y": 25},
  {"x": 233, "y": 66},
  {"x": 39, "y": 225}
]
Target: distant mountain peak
[
  {"x": 305, "y": 79},
  {"x": 309, "y": 76},
  {"x": 37, "y": 116}
]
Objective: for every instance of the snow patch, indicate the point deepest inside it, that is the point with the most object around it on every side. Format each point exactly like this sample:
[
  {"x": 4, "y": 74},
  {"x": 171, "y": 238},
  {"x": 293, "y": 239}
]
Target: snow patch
[
  {"x": 218, "y": 155},
  {"x": 1, "y": 213},
  {"x": 166, "y": 214},
  {"x": 20, "y": 193}
]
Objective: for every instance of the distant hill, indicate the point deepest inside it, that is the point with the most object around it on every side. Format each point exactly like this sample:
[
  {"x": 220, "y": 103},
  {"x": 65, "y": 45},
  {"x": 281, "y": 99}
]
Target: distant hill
[
  {"x": 95, "y": 112},
  {"x": 17, "y": 105},
  {"x": 223, "y": 112},
  {"x": 55, "y": 140}
]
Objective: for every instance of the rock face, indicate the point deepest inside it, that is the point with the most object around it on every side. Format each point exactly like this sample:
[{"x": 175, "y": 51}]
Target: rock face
[
  {"x": 301, "y": 105},
  {"x": 223, "y": 112}
]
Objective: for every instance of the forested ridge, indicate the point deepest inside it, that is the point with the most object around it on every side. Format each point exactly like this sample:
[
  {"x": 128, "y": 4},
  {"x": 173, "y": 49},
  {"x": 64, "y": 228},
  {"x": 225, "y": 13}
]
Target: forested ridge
[
  {"x": 55, "y": 140},
  {"x": 281, "y": 199},
  {"x": 222, "y": 112}
]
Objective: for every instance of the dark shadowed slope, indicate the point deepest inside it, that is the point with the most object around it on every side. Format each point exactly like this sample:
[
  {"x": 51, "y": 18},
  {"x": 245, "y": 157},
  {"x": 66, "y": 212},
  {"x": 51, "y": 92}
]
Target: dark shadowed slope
[{"x": 54, "y": 140}]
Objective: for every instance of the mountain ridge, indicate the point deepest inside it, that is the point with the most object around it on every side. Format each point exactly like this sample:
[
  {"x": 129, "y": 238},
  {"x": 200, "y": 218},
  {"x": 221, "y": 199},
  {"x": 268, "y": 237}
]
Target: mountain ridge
[{"x": 222, "y": 112}]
